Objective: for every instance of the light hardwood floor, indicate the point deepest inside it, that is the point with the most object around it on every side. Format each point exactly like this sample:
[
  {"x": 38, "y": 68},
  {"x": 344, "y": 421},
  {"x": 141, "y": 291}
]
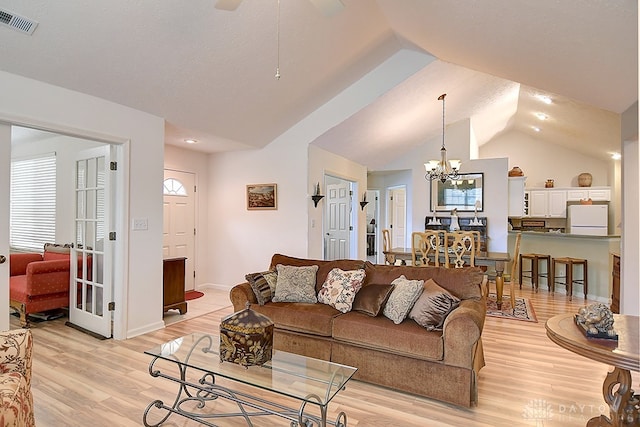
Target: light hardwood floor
[{"x": 528, "y": 381}]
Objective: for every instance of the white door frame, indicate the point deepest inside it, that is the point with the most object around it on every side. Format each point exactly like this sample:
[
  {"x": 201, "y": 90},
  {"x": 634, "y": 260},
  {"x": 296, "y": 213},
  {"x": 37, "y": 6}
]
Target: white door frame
[
  {"x": 5, "y": 178},
  {"x": 121, "y": 252}
]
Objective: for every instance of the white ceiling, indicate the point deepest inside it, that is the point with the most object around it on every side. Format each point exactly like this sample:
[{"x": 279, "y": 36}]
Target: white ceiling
[{"x": 210, "y": 72}]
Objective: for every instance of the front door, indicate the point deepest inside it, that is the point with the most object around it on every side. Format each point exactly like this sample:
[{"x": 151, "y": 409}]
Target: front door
[
  {"x": 91, "y": 276},
  {"x": 178, "y": 235},
  {"x": 338, "y": 223}
]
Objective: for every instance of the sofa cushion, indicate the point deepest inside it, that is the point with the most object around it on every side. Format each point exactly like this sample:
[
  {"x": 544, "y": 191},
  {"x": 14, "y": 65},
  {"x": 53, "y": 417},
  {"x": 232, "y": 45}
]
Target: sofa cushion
[
  {"x": 313, "y": 319},
  {"x": 324, "y": 267},
  {"x": 296, "y": 284},
  {"x": 340, "y": 288},
  {"x": 371, "y": 299},
  {"x": 380, "y": 333},
  {"x": 433, "y": 306},
  {"x": 261, "y": 284},
  {"x": 404, "y": 295},
  {"x": 461, "y": 282}
]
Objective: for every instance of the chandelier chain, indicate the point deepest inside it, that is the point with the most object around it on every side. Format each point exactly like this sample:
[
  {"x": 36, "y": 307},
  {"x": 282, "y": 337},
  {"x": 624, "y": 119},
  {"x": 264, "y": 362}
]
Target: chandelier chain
[{"x": 278, "y": 43}]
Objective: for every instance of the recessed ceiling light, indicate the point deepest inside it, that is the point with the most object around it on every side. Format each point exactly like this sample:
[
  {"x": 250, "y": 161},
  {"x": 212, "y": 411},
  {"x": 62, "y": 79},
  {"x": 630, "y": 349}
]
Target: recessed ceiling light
[
  {"x": 616, "y": 156},
  {"x": 544, "y": 98},
  {"x": 537, "y": 129},
  {"x": 542, "y": 116},
  {"x": 190, "y": 141}
]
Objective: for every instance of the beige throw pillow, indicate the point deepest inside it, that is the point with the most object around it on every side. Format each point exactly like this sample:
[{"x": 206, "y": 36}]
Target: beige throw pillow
[
  {"x": 296, "y": 284},
  {"x": 404, "y": 295}
]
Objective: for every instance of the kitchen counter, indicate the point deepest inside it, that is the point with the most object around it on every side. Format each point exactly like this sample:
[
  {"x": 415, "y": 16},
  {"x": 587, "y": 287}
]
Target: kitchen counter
[
  {"x": 595, "y": 249},
  {"x": 564, "y": 235}
]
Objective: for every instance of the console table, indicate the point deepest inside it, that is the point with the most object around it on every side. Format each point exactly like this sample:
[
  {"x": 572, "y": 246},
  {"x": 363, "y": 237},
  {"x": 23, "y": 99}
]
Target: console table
[
  {"x": 203, "y": 381},
  {"x": 465, "y": 223},
  {"x": 173, "y": 284}
]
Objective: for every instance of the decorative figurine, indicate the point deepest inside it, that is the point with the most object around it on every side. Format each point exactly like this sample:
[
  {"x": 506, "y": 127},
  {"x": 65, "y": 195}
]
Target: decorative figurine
[
  {"x": 597, "y": 321},
  {"x": 454, "y": 226}
]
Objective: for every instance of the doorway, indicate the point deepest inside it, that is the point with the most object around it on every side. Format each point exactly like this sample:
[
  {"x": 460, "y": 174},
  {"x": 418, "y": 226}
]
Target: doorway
[
  {"x": 179, "y": 221},
  {"x": 84, "y": 221},
  {"x": 372, "y": 210},
  {"x": 338, "y": 219},
  {"x": 397, "y": 215}
]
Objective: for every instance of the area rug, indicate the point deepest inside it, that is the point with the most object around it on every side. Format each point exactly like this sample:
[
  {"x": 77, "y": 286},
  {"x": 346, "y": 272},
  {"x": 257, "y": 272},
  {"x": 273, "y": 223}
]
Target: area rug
[
  {"x": 191, "y": 295},
  {"x": 524, "y": 309}
]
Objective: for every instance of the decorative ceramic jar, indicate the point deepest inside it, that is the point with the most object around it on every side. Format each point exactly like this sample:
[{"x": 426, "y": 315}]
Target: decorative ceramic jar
[
  {"x": 516, "y": 171},
  {"x": 585, "y": 179},
  {"x": 548, "y": 184},
  {"x": 246, "y": 338}
]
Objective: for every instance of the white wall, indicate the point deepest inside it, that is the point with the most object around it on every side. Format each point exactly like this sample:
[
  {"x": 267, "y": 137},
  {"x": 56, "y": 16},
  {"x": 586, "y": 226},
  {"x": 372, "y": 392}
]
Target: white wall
[
  {"x": 541, "y": 160},
  {"x": 183, "y": 160},
  {"x": 139, "y": 293},
  {"x": 630, "y": 286}
]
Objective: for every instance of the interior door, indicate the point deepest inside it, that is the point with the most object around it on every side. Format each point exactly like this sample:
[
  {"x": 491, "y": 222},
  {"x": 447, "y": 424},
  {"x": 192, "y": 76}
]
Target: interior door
[
  {"x": 5, "y": 177},
  {"x": 91, "y": 276},
  {"x": 338, "y": 227},
  {"x": 398, "y": 225},
  {"x": 178, "y": 235}
]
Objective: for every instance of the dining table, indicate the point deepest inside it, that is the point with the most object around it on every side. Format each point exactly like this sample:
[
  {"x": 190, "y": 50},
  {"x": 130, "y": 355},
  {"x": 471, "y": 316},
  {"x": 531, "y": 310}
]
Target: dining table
[{"x": 497, "y": 260}]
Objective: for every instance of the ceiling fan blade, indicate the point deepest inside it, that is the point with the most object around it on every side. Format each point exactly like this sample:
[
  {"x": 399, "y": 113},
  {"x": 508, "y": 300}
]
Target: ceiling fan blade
[
  {"x": 328, "y": 7},
  {"x": 227, "y": 4}
]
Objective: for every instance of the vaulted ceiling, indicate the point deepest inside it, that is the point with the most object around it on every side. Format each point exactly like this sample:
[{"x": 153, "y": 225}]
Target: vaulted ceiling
[{"x": 210, "y": 72}]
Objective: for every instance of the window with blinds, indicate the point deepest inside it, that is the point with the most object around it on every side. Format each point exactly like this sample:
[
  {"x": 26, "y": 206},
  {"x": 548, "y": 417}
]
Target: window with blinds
[{"x": 33, "y": 203}]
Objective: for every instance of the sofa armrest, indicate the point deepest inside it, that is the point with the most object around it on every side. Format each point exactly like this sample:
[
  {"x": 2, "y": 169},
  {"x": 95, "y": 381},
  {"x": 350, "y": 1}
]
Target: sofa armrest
[
  {"x": 16, "y": 347},
  {"x": 461, "y": 331},
  {"x": 18, "y": 262},
  {"x": 48, "y": 277},
  {"x": 240, "y": 295}
]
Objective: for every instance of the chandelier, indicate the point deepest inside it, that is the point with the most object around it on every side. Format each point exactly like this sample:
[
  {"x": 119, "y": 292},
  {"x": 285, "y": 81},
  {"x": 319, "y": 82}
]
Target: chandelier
[{"x": 442, "y": 169}]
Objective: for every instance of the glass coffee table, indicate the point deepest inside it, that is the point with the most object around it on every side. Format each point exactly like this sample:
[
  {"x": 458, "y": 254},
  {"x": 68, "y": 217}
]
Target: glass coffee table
[{"x": 203, "y": 381}]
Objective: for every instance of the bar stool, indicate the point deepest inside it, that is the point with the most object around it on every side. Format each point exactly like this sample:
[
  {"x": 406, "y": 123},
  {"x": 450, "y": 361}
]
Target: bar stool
[
  {"x": 534, "y": 273},
  {"x": 569, "y": 281}
]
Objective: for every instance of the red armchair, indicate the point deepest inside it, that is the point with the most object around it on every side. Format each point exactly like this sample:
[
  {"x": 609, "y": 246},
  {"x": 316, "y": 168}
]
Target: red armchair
[{"x": 39, "y": 282}]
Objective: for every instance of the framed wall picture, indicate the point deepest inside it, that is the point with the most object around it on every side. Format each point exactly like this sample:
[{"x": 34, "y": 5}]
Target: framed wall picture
[
  {"x": 463, "y": 193},
  {"x": 262, "y": 196}
]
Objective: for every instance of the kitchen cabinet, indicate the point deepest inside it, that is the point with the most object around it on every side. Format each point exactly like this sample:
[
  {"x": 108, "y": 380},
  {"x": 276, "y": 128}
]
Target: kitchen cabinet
[
  {"x": 548, "y": 203},
  {"x": 596, "y": 194},
  {"x": 517, "y": 196}
]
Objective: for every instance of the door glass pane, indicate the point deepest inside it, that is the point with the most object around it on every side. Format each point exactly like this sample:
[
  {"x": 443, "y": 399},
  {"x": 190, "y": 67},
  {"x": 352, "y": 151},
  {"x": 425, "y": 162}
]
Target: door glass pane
[
  {"x": 99, "y": 308},
  {"x": 81, "y": 174},
  {"x": 88, "y": 298},
  {"x": 79, "y": 292}
]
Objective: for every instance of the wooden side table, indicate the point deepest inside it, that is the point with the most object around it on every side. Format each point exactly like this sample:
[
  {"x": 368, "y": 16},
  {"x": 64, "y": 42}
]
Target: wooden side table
[{"x": 623, "y": 355}]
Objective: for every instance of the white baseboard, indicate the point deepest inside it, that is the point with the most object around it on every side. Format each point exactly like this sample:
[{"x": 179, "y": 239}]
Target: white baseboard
[{"x": 213, "y": 286}]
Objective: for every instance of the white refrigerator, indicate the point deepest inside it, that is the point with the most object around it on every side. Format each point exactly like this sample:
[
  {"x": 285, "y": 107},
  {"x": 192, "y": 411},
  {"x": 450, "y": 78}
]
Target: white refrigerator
[{"x": 592, "y": 220}]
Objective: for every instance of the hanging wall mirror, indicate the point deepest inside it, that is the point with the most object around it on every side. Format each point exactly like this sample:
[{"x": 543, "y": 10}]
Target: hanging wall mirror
[{"x": 463, "y": 193}]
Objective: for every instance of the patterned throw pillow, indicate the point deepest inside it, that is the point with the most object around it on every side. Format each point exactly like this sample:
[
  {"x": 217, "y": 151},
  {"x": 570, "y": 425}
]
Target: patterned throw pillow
[
  {"x": 340, "y": 288},
  {"x": 263, "y": 285},
  {"x": 433, "y": 306},
  {"x": 296, "y": 284},
  {"x": 404, "y": 295}
]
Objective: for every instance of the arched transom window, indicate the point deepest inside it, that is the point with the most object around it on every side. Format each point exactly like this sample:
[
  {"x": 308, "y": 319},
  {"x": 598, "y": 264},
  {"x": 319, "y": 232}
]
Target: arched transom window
[{"x": 173, "y": 187}]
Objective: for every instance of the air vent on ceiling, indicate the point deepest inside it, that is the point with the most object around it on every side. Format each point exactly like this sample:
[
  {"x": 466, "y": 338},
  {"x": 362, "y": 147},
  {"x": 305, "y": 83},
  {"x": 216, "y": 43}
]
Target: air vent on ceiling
[{"x": 17, "y": 22}]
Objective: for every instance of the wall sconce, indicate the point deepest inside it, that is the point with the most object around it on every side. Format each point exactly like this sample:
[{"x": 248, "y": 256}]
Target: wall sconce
[
  {"x": 316, "y": 195},
  {"x": 364, "y": 202}
]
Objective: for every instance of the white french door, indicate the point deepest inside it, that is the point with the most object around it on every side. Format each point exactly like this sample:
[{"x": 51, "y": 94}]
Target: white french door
[
  {"x": 5, "y": 178},
  {"x": 92, "y": 275},
  {"x": 338, "y": 222}
]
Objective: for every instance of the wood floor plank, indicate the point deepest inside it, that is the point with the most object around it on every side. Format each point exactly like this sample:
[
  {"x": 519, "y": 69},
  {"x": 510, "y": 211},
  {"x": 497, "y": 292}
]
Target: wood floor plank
[{"x": 527, "y": 381}]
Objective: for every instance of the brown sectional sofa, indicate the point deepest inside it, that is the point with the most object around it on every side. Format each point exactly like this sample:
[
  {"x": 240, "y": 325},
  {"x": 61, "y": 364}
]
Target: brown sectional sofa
[{"x": 442, "y": 365}]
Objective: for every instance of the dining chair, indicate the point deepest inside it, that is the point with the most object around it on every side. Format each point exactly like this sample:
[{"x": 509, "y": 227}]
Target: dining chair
[
  {"x": 460, "y": 247},
  {"x": 425, "y": 247},
  {"x": 386, "y": 246}
]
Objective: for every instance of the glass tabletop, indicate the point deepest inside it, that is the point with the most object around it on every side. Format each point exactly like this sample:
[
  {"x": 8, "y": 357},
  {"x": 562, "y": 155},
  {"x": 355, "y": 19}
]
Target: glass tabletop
[{"x": 289, "y": 374}]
